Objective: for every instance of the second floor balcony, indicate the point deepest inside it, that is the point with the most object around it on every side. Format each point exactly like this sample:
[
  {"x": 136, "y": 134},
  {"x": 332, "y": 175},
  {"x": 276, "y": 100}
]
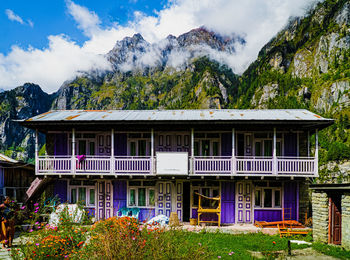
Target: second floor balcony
[{"x": 195, "y": 166}]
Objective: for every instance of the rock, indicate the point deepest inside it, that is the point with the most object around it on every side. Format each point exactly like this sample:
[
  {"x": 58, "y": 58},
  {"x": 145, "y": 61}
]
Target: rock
[{"x": 262, "y": 96}]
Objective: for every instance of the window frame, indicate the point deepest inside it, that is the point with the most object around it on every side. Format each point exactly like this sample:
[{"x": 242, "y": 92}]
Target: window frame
[
  {"x": 262, "y": 197},
  {"x": 88, "y": 189},
  {"x": 211, "y": 140},
  {"x": 147, "y": 197}
]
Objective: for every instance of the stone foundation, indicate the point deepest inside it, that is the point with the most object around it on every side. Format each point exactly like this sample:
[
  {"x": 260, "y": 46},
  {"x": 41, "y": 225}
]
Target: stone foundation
[
  {"x": 345, "y": 226},
  {"x": 320, "y": 216}
]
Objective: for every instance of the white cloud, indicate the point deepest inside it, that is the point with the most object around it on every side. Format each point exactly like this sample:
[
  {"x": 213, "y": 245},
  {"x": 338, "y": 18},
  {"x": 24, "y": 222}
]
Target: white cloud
[
  {"x": 257, "y": 21},
  {"x": 14, "y": 17}
]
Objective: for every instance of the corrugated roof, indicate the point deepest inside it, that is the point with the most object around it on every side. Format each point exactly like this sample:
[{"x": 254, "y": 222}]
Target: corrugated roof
[
  {"x": 178, "y": 115},
  {"x": 4, "y": 158}
]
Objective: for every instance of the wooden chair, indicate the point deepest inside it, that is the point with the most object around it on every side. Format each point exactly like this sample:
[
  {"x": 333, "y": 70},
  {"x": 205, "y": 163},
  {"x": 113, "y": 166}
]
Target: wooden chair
[{"x": 216, "y": 210}]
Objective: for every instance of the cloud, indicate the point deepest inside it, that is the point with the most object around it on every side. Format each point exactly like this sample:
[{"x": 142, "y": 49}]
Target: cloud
[
  {"x": 87, "y": 21},
  {"x": 14, "y": 17},
  {"x": 254, "y": 20}
]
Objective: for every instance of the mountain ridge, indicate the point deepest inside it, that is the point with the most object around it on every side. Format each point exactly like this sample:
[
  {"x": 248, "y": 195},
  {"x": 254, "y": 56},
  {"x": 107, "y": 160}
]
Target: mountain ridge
[{"x": 306, "y": 65}]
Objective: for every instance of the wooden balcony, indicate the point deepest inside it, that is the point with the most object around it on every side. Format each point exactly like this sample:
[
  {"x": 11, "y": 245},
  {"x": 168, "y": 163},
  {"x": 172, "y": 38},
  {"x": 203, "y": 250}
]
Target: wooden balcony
[{"x": 198, "y": 166}]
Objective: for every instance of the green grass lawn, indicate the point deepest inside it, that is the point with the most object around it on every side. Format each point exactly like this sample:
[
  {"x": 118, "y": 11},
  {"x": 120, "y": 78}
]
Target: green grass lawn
[{"x": 228, "y": 246}]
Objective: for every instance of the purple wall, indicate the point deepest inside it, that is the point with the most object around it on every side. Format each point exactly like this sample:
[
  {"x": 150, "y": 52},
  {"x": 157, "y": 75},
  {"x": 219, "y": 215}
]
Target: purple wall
[
  {"x": 228, "y": 202},
  {"x": 267, "y": 215},
  {"x": 120, "y": 144},
  {"x": 60, "y": 189},
  {"x": 146, "y": 214},
  {"x": 119, "y": 195},
  {"x": 226, "y": 144},
  {"x": 291, "y": 198},
  {"x": 61, "y": 144}
]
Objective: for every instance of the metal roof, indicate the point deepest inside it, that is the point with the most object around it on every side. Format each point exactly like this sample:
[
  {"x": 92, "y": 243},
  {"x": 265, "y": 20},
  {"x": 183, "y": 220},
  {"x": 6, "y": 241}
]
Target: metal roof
[
  {"x": 178, "y": 115},
  {"x": 4, "y": 158}
]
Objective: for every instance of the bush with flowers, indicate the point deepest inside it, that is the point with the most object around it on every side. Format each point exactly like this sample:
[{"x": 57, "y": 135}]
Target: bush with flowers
[
  {"x": 59, "y": 242},
  {"x": 127, "y": 238}
]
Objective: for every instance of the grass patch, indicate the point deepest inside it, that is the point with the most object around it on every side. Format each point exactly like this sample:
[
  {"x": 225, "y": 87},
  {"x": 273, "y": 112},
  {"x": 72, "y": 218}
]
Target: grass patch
[
  {"x": 228, "y": 246},
  {"x": 331, "y": 250}
]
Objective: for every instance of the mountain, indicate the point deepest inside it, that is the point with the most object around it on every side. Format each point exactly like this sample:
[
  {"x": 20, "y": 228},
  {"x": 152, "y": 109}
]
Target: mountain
[
  {"x": 306, "y": 65},
  {"x": 20, "y": 103}
]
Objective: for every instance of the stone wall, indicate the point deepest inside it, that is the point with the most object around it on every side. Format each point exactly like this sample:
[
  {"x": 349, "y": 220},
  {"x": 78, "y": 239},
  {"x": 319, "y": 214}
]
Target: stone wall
[
  {"x": 345, "y": 228},
  {"x": 304, "y": 201},
  {"x": 320, "y": 216}
]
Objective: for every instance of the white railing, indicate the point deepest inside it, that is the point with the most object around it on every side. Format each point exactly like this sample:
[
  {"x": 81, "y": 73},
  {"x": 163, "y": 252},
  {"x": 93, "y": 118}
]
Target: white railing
[
  {"x": 133, "y": 165},
  {"x": 54, "y": 164},
  {"x": 296, "y": 165},
  {"x": 93, "y": 164},
  {"x": 254, "y": 165},
  {"x": 212, "y": 165}
]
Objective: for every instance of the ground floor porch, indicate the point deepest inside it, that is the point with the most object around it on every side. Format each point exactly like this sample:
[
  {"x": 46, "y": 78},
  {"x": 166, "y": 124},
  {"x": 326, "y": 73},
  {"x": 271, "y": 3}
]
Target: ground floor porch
[{"x": 243, "y": 201}]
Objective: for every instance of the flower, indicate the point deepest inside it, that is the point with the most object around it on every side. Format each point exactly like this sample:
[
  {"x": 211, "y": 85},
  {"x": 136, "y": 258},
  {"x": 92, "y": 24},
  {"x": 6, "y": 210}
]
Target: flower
[
  {"x": 219, "y": 256},
  {"x": 37, "y": 223},
  {"x": 23, "y": 207},
  {"x": 36, "y": 204},
  {"x": 273, "y": 242},
  {"x": 37, "y": 244},
  {"x": 31, "y": 230},
  {"x": 231, "y": 253}
]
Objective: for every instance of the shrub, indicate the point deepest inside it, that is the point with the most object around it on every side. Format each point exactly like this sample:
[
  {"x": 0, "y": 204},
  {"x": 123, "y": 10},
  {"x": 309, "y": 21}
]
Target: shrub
[
  {"x": 126, "y": 238},
  {"x": 59, "y": 242},
  {"x": 338, "y": 151}
]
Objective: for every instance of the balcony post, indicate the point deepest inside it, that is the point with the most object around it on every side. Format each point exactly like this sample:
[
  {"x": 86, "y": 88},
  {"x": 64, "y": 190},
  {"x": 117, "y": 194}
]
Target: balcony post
[
  {"x": 308, "y": 144},
  {"x": 316, "y": 154},
  {"x": 233, "y": 169},
  {"x": 152, "y": 151},
  {"x": 73, "y": 152},
  {"x": 192, "y": 152},
  {"x": 36, "y": 151},
  {"x": 112, "y": 152},
  {"x": 274, "y": 156}
]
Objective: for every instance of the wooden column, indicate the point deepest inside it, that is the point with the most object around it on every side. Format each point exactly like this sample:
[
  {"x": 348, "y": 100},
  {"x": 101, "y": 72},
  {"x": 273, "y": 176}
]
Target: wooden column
[
  {"x": 274, "y": 156},
  {"x": 73, "y": 166},
  {"x": 234, "y": 168},
  {"x": 316, "y": 154},
  {"x": 112, "y": 153},
  {"x": 308, "y": 143},
  {"x": 192, "y": 151},
  {"x": 36, "y": 151},
  {"x": 152, "y": 151}
]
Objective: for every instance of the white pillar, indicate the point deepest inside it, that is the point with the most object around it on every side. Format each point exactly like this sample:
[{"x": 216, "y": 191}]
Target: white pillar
[
  {"x": 274, "y": 152},
  {"x": 36, "y": 151},
  {"x": 73, "y": 152},
  {"x": 233, "y": 152},
  {"x": 308, "y": 143},
  {"x": 152, "y": 151},
  {"x": 192, "y": 151},
  {"x": 112, "y": 152},
  {"x": 316, "y": 154}
]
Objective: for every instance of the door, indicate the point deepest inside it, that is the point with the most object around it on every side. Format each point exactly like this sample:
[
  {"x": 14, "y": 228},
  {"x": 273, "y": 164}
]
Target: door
[
  {"x": 105, "y": 199},
  {"x": 335, "y": 219},
  {"x": 164, "y": 205},
  {"x": 244, "y": 202}
]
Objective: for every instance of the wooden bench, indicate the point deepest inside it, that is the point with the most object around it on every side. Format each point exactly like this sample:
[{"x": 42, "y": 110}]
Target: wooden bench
[{"x": 283, "y": 230}]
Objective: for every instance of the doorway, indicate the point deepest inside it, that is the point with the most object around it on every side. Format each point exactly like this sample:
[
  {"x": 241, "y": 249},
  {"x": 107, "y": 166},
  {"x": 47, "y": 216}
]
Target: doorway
[
  {"x": 335, "y": 216},
  {"x": 244, "y": 202},
  {"x": 186, "y": 201}
]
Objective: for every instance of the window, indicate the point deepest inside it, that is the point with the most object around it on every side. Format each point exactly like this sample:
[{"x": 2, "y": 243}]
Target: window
[
  {"x": 207, "y": 144},
  {"x": 268, "y": 197},
  {"x": 79, "y": 192},
  {"x": 143, "y": 196},
  {"x": 264, "y": 145},
  {"x": 206, "y": 191},
  {"x": 139, "y": 145}
]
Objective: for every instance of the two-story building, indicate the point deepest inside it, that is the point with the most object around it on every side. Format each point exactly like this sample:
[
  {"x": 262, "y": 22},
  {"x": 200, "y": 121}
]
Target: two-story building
[{"x": 157, "y": 160}]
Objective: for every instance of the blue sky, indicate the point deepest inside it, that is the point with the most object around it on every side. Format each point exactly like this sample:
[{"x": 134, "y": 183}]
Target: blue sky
[
  {"x": 48, "y": 42},
  {"x": 50, "y": 17}
]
